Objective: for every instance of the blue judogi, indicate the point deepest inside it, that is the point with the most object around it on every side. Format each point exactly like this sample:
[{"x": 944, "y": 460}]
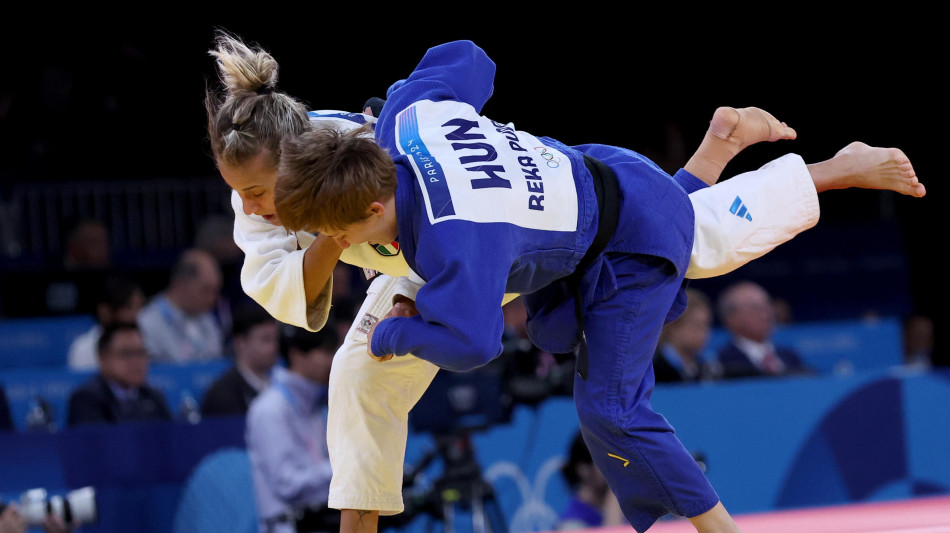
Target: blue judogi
[{"x": 485, "y": 209}]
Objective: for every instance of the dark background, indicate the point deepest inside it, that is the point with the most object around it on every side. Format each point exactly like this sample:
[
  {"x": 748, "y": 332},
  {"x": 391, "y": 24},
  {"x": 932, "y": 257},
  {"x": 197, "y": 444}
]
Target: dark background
[{"x": 118, "y": 95}]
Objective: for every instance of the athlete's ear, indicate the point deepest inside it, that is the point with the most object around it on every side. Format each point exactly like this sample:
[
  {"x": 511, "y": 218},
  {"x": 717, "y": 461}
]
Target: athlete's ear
[{"x": 375, "y": 208}]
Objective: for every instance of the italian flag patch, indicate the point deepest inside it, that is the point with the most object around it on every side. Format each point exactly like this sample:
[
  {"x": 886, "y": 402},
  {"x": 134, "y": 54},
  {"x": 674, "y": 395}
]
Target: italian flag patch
[{"x": 387, "y": 249}]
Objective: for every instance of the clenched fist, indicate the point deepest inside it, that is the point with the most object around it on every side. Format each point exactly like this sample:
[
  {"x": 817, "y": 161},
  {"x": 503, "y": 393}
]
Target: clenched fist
[{"x": 402, "y": 307}]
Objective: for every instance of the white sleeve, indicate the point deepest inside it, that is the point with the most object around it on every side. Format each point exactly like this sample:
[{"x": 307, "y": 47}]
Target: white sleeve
[
  {"x": 747, "y": 216},
  {"x": 272, "y": 273}
]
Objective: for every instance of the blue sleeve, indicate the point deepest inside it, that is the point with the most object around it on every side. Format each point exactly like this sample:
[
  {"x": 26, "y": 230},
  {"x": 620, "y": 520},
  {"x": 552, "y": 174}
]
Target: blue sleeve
[
  {"x": 460, "y": 322},
  {"x": 457, "y": 70},
  {"x": 688, "y": 182},
  {"x": 393, "y": 87}
]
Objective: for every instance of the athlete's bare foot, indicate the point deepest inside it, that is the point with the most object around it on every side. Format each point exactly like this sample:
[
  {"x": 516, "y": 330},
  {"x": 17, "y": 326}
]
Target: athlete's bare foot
[
  {"x": 730, "y": 131},
  {"x": 866, "y": 167}
]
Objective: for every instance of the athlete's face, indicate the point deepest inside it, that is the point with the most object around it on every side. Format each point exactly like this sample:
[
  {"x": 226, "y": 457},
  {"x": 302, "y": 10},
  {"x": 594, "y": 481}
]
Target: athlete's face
[
  {"x": 255, "y": 183},
  {"x": 378, "y": 227}
]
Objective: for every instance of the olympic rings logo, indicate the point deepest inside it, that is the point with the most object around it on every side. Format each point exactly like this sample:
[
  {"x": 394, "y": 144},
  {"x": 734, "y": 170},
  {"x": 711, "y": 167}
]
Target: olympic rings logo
[{"x": 552, "y": 160}]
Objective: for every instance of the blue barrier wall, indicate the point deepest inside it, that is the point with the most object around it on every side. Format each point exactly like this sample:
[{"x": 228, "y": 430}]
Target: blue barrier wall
[
  {"x": 768, "y": 444},
  {"x": 39, "y": 342},
  {"x": 54, "y": 385},
  {"x": 138, "y": 469},
  {"x": 829, "y": 346}
]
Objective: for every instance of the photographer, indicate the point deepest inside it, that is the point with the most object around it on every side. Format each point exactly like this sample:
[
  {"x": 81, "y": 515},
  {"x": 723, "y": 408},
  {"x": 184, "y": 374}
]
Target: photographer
[{"x": 11, "y": 521}]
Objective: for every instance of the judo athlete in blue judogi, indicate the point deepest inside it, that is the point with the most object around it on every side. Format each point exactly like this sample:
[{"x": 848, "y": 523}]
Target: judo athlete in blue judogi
[{"x": 481, "y": 209}]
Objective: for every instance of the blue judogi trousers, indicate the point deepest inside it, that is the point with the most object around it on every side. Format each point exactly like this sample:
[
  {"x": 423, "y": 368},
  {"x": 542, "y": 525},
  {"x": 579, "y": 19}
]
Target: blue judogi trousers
[{"x": 635, "y": 448}]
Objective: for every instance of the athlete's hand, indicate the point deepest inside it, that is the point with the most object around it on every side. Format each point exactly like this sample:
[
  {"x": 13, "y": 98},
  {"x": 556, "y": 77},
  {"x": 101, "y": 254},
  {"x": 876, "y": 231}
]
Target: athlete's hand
[
  {"x": 402, "y": 306},
  {"x": 369, "y": 345},
  {"x": 11, "y": 520},
  {"x": 55, "y": 524},
  {"x": 373, "y": 106}
]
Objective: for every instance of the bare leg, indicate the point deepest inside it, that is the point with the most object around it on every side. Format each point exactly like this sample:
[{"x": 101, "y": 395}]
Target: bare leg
[
  {"x": 715, "y": 520},
  {"x": 865, "y": 167},
  {"x": 357, "y": 521},
  {"x": 730, "y": 131}
]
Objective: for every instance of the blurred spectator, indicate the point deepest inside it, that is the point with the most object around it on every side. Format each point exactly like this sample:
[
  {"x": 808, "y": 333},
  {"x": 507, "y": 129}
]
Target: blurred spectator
[
  {"x": 343, "y": 312},
  {"x": 6, "y": 417},
  {"x": 343, "y": 281},
  {"x": 71, "y": 287},
  {"x": 88, "y": 246},
  {"x": 592, "y": 503},
  {"x": 180, "y": 324},
  {"x": 679, "y": 355},
  {"x": 919, "y": 342},
  {"x": 746, "y": 311},
  {"x": 783, "y": 311},
  {"x": 119, "y": 392},
  {"x": 286, "y": 438},
  {"x": 256, "y": 342},
  {"x": 120, "y": 300},
  {"x": 215, "y": 235}
]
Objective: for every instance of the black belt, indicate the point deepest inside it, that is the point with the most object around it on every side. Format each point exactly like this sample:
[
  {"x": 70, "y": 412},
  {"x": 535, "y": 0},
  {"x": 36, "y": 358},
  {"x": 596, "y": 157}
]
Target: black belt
[{"x": 607, "y": 189}]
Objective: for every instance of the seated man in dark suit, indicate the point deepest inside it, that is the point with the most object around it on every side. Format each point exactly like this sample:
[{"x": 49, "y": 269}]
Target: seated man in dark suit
[
  {"x": 118, "y": 392},
  {"x": 256, "y": 337},
  {"x": 745, "y": 309}
]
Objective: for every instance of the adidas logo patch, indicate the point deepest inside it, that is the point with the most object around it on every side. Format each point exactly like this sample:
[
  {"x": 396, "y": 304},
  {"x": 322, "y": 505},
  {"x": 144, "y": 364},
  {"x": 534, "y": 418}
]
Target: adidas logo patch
[{"x": 739, "y": 209}]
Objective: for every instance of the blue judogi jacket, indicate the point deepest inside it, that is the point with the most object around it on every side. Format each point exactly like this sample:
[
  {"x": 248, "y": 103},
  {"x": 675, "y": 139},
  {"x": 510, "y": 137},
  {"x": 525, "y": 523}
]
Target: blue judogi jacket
[{"x": 485, "y": 209}]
